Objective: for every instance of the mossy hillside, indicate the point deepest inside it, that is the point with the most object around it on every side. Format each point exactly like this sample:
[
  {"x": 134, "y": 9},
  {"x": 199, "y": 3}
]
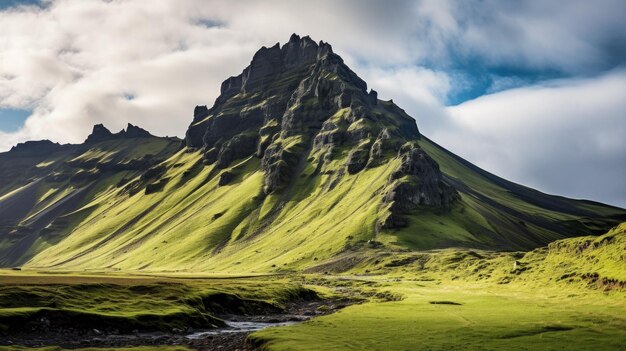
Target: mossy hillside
[
  {"x": 296, "y": 163},
  {"x": 42, "y": 210},
  {"x": 138, "y": 218},
  {"x": 195, "y": 224},
  {"x": 476, "y": 179},
  {"x": 578, "y": 264}
]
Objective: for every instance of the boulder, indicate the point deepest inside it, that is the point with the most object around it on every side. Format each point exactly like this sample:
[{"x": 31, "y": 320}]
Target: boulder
[
  {"x": 240, "y": 146},
  {"x": 357, "y": 159},
  {"x": 226, "y": 177}
]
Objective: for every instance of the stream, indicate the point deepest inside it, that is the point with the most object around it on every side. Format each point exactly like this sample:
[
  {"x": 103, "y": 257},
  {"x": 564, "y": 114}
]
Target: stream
[{"x": 241, "y": 327}]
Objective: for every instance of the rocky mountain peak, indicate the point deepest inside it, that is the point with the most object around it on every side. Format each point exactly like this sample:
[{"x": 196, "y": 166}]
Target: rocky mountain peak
[
  {"x": 268, "y": 62},
  {"x": 101, "y": 133},
  {"x": 299, "y": 99},
  {"x": 136, "y": 132},
  {"x": 98, "y": 134}
]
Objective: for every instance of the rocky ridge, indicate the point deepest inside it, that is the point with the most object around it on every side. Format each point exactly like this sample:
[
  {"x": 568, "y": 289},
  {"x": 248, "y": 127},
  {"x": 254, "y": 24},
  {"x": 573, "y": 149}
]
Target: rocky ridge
[{"x": 101, "y": 133}]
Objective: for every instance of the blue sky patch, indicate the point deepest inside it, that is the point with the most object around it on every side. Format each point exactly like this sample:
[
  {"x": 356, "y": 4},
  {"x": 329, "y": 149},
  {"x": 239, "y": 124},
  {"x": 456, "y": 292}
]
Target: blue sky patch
[
  {"x": 4, "y": 4},
  {"x": 12, "y": 120}
]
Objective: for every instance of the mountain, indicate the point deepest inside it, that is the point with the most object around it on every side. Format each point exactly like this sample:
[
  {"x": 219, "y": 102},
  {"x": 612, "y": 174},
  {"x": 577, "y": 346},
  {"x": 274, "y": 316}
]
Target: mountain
[{"x": 295, "y": 163}]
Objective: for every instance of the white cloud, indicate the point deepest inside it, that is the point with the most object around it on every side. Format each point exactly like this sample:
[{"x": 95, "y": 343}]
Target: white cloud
[
  {"x": 566, "y": 137},
  {"x": 417, "y": 90}
]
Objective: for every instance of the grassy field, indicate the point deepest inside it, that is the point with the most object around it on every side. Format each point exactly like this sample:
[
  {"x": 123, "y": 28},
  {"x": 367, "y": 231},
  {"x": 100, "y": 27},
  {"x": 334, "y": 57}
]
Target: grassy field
[
  {"x": 570, "y": 295},
  {"x": 461, "y": 316}
]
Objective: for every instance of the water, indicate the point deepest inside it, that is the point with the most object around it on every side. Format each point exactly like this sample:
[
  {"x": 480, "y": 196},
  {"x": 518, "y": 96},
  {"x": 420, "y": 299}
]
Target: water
[{"x": 239, "y": 327}]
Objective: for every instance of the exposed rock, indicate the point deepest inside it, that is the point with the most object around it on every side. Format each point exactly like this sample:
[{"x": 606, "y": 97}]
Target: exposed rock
[
  {"x": 210, "y": 156},
  {"x": 99, "y": 133},
  {"x": 200, "y": 112},
  {"x": 382, "y": 145},
  {"x": 277, "y": 170},
  {"x": 240, "y": 146},
  {"x": 417, "y": 182},
  {"x": 373, "y": 95},
  {"x": 193, "y": 137},
  {"x": 135, "y": 132},
  {"x": 263, "y": 145},
  {"x": 226, "y": 177},
  {"x": 154, "y": 172},
  {"x": 357, "y": 159},
  {"x": 330, "y": 134},
  {"x": 156, "y": 186}
]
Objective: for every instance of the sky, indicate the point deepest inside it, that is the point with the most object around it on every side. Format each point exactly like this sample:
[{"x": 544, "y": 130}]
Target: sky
[{"x": 533, "y": 91}]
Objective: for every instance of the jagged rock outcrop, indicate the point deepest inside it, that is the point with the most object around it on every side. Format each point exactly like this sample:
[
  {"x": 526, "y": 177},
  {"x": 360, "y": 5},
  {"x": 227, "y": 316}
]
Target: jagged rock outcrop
[
  {"x": 240, "y": 146},
  {"x": 135, "y": 132},
  {"x": 100, "y": 133},
  {"x": 417, "y": 182},
  {"x": 357, "y": 159}
]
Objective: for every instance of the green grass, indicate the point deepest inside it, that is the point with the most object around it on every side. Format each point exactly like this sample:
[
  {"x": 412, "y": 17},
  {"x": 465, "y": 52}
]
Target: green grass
[
  {"x": 485, "y": 319},
  {"x": 570, "y": 295}
]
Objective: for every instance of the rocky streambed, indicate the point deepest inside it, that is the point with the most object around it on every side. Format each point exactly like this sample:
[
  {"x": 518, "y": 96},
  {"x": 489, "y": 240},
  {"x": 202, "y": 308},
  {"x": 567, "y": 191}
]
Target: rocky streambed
[{"x": 232, "y": 337}]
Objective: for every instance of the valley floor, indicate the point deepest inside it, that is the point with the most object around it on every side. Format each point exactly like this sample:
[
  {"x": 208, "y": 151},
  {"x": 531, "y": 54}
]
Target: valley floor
[
  {"x": 437, "y": 315},
  {"x": 388, "y": 312}
]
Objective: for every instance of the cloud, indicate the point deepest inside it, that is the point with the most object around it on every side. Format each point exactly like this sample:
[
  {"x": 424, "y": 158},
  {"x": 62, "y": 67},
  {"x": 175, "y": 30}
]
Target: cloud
[
  {"x": 566, "y": 137},
  {"x": 416, "y": 89}
]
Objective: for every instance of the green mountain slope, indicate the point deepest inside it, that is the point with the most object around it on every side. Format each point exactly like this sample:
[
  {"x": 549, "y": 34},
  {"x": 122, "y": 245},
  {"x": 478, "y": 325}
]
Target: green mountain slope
[
  {"x": 47, "y": 188},
  {"x": 295, "y": 163}
]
